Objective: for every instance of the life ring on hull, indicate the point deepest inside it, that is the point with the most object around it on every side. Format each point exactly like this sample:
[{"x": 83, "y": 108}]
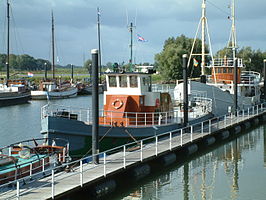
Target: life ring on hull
[{"x": 118, "y": 103}]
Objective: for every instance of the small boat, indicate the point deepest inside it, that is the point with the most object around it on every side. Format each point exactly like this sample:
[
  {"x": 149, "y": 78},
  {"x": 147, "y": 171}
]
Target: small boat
[
  {"x": 84, "y": 89},
  {"x": 13, "y": 93},
  {"x": 51, "y": 90},
  {"x": 25, "y": 158}
]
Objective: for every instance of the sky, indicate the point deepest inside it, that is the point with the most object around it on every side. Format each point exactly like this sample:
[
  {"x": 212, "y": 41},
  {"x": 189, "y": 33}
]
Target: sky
[{"x": 154, "y": 20}]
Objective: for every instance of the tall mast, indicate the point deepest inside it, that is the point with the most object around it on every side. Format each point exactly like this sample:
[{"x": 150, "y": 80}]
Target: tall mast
[
  {"x": 53, "y": 53},
  {"x": 203, "y": 24},
  {"x": 232, "y": 40},
  {"x": 131, "y": 45},
  {"x": 7, "y": 54},
  {"x": 99, "y": 42}
]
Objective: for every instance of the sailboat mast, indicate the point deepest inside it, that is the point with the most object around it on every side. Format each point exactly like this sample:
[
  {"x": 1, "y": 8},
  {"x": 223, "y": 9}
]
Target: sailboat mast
[
  {"x": 203, "y": 25},
  {"x": 53, "y": 52},
  {"x": 99, "y": 43},
  {"x": 7, "y": 54}
]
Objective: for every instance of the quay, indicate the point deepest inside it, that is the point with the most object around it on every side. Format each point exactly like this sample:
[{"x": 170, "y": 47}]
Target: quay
[{"x": 133, "y": 161}]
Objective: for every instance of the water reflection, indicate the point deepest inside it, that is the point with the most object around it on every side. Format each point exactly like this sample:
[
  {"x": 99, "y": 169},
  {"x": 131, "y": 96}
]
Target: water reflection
[{"x": 223, "y": 173}]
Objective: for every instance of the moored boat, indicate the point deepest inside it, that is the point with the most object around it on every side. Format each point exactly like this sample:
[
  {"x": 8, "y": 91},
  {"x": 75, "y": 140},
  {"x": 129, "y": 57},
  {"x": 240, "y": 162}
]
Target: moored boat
[
  {"x": 131, "y": 111},
  {"x": 25, "y": 158},
  {"x": 51, "y": 90},
  {"x": 13, "y": 93}
]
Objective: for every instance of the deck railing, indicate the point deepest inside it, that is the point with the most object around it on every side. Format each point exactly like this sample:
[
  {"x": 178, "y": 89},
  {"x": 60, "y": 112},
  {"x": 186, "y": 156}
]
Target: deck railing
[
  {"x": 132, "y": 119},
  {"x": 174, "y": 138}
]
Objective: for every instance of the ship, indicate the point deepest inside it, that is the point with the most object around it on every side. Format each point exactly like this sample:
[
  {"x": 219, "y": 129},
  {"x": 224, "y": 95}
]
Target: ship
[
  {"x": 131, "y": 112},
  {"x": 229, "y": 86}
]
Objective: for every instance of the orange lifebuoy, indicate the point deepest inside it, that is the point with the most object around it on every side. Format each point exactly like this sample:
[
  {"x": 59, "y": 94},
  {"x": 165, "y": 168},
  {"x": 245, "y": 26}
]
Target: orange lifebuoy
[{"x": 118, "y": 103}]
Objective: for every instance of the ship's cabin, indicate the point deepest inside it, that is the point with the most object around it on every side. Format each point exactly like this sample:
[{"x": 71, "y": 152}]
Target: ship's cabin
[
  {"x": 223, "y": 70},
  {"x": 128, "y": 83}
]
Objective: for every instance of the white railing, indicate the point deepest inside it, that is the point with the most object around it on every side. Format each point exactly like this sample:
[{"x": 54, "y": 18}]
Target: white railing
[
  {"x": 174, "y": 138},
  {"x": 227, "y": 62}
]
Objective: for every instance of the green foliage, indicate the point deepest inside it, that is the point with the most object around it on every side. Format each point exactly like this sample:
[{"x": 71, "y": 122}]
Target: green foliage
[
  {"x": 169, "y": 61},
  {"x": 23, "y": 62},
  {"x": 87, "y": 65}
]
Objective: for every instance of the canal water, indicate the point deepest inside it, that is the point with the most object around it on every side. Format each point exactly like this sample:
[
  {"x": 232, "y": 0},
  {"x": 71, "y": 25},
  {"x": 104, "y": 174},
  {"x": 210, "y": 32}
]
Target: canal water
[{"x": 234, "y": 170}]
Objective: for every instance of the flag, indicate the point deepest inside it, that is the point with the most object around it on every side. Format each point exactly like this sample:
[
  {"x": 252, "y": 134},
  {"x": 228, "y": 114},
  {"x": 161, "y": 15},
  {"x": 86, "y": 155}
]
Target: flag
[
  {"x": 141, "y": 39},
  {"x": 195, "y": 62},
  {"x": 30, "y": 74}
]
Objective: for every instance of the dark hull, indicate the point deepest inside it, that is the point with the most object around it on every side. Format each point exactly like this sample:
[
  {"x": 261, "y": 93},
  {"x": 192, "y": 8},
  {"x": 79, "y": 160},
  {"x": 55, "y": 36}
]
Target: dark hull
[
  {"x": 79, "y": 133},
  {"x": 13, "y": 98}
]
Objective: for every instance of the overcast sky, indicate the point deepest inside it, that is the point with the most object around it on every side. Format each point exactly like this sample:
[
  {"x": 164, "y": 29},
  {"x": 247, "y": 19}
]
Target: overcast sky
[{"x": 155, "y": 20}]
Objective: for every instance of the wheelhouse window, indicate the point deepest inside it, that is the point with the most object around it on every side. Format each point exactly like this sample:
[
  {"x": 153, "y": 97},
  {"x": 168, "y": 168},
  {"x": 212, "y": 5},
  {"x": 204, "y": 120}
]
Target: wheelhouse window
[
  {"x": 230, "y": 70},
  {"x": 123, "y": 81},
  {"x": 133, "y": 81},
  {"x": 112, "y": 81},
  {"x": 224, "y": 70}
]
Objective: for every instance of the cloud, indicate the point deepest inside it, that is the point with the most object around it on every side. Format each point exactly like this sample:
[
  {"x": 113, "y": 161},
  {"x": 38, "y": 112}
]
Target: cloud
[{"x": 156, "y": 20}]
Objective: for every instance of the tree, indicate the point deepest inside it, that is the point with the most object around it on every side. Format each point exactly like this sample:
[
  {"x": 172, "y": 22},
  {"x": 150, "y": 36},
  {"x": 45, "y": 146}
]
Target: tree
[
  {"x": 169, "y": 61},
  {"x": 87, "y": 65}
]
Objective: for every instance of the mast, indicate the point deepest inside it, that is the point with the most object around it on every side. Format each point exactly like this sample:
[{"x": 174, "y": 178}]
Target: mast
[
  {"x": 203, "y": 24},
  {"x": 53, "y": 52},
  {"x": 232, "y": 40},
  {"x": 7, "y": 54},
  {"x": 131, "y": 45},
  {"x": 99, "y": 43},
  {"x": 233, "y": 45}
]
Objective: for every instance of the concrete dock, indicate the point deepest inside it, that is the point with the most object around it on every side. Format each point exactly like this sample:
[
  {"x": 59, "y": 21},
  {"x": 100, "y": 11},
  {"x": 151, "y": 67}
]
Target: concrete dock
[{"x": 133, "y": 158}]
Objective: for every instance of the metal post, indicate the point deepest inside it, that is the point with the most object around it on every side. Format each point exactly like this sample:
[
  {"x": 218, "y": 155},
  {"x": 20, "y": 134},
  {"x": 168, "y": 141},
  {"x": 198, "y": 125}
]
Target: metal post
[
  {"x": 170, "y": 141},
  {"x": 18, "y": 195},
  {"x": 185, "y": 90},
  {"x": 72, "y": 73},
  {"x": 104, "y": 164},
  {"x": 43, "y": 166},
  {"x": 52, "y": 184},
  {"x": 248, "y": 112},
  {"x": 124, "y": 147},
  {"x": 141, "y": 149},
  {"x": 30, "y": 171},
  {"x": 45, "y": 73},
  {"x": 264, "y": 74},
  {"x": 257, "y": 109},
  {"x": 145, "y": 119},
  {"x": 81, "y": 173},
  {"x": 191, "y": 131},
  {"x": 181, "y": 141},
  {"x": 156, "y": 145},
  {"x": 210, "y": 126},
  {"x": 225, "y": 120},
  {"x": 95, "y": 106},
  {"x": 235, "y": 85},
  {"x": 202, "y": 128}
]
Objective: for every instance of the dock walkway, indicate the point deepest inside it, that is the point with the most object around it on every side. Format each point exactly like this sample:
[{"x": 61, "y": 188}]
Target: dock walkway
[{"x": 114, "y": 161}]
